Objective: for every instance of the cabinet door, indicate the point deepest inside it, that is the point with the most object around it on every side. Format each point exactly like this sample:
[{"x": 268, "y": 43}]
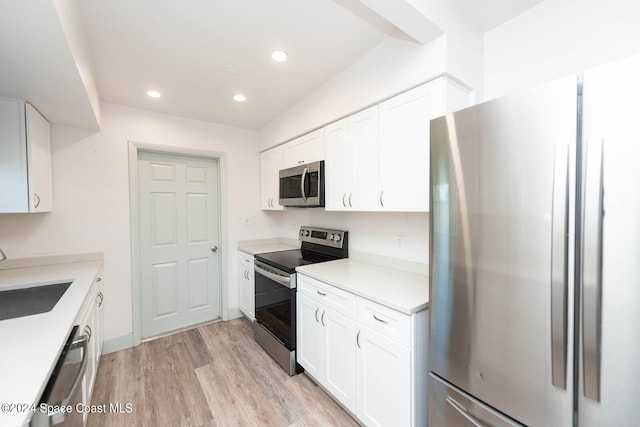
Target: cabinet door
[
  {"x": 340, "y": 363},
  {"x": 351, "y": 162},
  {"x": 338, "y": 167},
  {"x": 13, "y": 157},
  {"x": 270, "y": 165},
  {"x": 363, "y": 132},
  {"x": 39, "y": 155},
  {"x": 404, "y": 147},
  {"x": 99, "y": 322},
  {"x": 305, "y": 149},
  {"x": 383, "y": 380},
  {"x": 246, "y": 286},
  {"x": 310, "y": 336},
  {"x": 243, "y": 285}
]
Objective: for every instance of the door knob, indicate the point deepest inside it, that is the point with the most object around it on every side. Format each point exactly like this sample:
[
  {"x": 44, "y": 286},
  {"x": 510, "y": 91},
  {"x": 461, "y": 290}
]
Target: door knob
[{"x": 214, "y": 249}]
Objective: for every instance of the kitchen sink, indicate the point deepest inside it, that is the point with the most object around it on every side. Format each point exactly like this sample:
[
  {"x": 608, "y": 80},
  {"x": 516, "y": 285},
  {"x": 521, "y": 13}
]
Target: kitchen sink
[{"x": 28, "y": 301}]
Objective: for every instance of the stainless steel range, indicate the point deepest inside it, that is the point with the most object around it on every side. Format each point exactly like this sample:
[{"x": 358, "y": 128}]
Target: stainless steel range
[{"x": 275, "y": 290}]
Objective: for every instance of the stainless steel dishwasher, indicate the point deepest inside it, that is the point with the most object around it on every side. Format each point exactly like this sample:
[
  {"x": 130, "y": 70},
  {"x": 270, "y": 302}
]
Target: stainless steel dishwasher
[{"x": 63, "y": 393}]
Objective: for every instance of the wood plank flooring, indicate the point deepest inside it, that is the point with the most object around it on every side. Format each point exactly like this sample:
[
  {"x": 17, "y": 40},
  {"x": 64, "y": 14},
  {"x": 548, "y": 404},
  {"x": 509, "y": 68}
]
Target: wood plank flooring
[{"x": 215, "y": 375}]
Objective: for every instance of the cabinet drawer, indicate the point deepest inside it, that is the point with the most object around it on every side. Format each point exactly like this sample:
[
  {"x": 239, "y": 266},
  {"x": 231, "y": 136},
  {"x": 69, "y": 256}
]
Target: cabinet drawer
[
  {"x": 384, "y": 320},
  {"x": 341, "y": 301},
  {"x": 245, "y": 259}
]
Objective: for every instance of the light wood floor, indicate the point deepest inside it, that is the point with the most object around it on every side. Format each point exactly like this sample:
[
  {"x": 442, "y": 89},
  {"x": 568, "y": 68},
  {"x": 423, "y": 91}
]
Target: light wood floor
[{"x": 215, "y": 375}]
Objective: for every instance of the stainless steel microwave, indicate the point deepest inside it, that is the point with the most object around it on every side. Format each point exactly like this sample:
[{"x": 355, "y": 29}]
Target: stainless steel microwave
[{"x": 303, "y": 185}]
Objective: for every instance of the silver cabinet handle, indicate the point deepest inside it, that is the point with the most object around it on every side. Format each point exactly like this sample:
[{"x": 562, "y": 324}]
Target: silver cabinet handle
[
  {"x": 464, "y": 412},
  {"x": 304, "y": 176},
  {"x": 99, "y": 279},
  {"x": 321, "y": 293},
  {"x": 386, "y": 322},
  {"x": 101, "y": 297},
  {"x": 592, "y": 269},
  {"x": 214, "y": 249},
  {"x": 343, "y": 196},
  {"x": 317, "y": 308},
  {"x": 381, "y": 201},
  {"x": 350, "y": 205},
  {"x": 37, "y": 200},
  {"x": 559, "y": 267},
  {"x": 322, "y": 318},
  {"x": 358, "y": 339}
]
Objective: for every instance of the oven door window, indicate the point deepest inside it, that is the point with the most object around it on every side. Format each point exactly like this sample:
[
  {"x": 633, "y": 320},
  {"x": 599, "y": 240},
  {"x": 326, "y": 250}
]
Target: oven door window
[{"x": 274, "y": 309}]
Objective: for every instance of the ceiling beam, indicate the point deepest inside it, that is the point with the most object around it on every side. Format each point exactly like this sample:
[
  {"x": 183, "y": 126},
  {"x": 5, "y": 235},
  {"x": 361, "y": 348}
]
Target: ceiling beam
[{"x": 401, "y": 14}]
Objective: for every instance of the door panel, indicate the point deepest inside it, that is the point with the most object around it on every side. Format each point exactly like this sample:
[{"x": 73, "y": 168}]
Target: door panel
[
  {"x": 165, "y": 289},
  {"x": 163, "y": 219},
  {"x": 493, "y": 175},
  {"x": 179, "y": 224},
  {"x": 611, "y": 114}
]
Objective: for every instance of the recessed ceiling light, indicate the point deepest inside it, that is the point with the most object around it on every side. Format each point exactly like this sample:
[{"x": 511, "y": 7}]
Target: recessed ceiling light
[
  {"x": 279, "y": 55},
  {"x": 240, "y": 97},
  {"x": 153, "y": 94}
]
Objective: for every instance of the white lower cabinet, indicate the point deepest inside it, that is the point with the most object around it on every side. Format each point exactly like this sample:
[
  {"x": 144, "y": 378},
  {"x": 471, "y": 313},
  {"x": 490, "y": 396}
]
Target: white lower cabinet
[
  {"x": 91, "y": 325},
  {"x": 370, "y": 358},
  {"x": 384, "y": 380},
  {"x": 246, "y": 285},
  {"x": 325, "y": 339}
]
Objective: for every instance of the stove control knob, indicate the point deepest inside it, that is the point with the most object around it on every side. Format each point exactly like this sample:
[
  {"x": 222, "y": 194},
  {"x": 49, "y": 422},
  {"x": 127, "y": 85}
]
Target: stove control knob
[
  {"x": 332, "y": 236},
  {"x": 306, "y": 233},
  {"x": 302, "y": 232},
  {"x": 338, "y": 238}
]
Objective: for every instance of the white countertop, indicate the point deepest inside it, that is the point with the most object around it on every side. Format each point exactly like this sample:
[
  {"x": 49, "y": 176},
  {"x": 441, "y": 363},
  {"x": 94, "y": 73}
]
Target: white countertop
[
  {"x": 400, "y": 290},
  {"x": 31, "y": 344},
  {"x": 253, "y": 247}
]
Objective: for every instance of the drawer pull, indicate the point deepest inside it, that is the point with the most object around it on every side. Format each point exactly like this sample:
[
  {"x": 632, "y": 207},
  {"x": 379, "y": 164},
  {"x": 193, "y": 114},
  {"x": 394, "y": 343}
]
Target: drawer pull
[
  {"x": 386, "y": 322},
  {"x": 321, "y": 293}
]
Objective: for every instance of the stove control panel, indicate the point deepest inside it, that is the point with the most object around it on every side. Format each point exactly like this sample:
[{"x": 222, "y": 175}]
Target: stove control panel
[{"x": 322, "y": 236}]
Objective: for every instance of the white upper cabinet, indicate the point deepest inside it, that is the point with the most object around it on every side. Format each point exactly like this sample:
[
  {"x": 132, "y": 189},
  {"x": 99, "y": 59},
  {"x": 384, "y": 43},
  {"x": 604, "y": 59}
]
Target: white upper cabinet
[
  {"x": 270, "y": 165},
  {"x": 305, "y": 149},
  {"x": 351, "y": 167},
  {"x": 404, "y": 147},
  {"x": 25, "y": 158},
  {"x": 378, "y": 158}
]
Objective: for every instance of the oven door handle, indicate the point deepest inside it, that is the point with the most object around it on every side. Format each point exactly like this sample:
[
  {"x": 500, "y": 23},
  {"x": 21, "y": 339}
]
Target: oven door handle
[{"x": 283, "y": 280}]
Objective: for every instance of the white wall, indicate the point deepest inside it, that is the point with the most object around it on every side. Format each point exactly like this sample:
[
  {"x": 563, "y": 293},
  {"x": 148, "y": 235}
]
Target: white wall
[
  {"x": 369, "y": 232},
  {"x": 91, "y": 197},
  {"x": 558, "y": 38}
]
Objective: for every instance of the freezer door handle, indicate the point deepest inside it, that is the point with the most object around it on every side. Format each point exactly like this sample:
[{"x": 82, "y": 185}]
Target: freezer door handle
[
  {"x": 559, "y": 267},
  {"x": 463, "y": 411},
  {"x": 592, "y": 269}
]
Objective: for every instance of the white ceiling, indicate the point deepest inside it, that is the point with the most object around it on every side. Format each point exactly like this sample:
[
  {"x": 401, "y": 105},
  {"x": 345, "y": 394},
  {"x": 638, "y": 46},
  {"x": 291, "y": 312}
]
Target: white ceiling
[{"x": 197, "y": 53}]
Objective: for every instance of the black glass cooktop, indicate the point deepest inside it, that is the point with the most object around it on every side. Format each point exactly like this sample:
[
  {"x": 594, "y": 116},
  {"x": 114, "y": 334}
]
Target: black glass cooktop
[{"x": 289, "y": 260}]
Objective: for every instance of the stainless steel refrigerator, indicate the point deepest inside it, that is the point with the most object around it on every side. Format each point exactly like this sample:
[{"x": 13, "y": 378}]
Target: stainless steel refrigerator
[{"x": 535, "y": 256}]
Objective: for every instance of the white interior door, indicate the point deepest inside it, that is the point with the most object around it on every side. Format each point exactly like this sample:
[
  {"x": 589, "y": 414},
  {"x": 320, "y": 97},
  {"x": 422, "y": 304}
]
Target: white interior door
[{"x": 179, "y": 229}]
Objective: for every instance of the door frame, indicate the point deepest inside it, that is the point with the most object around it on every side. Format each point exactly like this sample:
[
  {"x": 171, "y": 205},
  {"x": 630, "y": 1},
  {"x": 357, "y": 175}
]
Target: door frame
[{"x": 134, "y": 220}]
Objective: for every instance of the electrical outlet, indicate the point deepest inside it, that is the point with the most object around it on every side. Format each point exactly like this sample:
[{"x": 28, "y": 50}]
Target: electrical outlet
[{"x": 247, "y": 220}]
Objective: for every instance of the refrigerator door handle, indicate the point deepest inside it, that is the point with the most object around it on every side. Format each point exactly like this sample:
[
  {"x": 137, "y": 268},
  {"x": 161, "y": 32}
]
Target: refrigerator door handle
[
  {"x": 463, "y": 411},
  {"x": 592, "y": 269},
  {"x": 559, "y": 266}
]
